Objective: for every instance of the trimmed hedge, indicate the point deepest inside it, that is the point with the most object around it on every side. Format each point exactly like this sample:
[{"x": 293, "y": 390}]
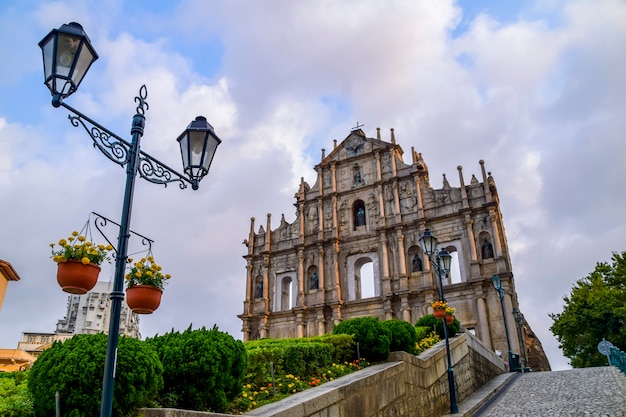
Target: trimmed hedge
[
  {"x": 373, "y": 338},
  {"x": 432, "y": 323},
  {"x": 403, "y": 336}
]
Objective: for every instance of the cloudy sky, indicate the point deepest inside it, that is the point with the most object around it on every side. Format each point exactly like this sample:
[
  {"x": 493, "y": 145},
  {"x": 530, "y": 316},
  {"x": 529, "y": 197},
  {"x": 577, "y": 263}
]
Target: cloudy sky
[{"x": 536, "y": 89}]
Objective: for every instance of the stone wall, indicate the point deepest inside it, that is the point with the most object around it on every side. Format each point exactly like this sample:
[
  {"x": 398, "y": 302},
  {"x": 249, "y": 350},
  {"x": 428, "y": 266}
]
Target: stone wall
[{"x": 406, "y": 385}]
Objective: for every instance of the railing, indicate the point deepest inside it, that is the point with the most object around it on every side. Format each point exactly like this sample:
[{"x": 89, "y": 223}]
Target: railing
[{"x": 617, "y": 358}]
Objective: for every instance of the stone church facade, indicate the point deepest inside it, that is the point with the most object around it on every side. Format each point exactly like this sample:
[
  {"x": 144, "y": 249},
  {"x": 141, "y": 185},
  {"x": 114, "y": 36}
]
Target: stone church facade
[{"x": 353, "y": 250}]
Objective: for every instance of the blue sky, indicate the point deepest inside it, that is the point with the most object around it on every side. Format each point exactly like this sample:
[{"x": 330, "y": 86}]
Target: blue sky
[{"x": 534, "y": 88}]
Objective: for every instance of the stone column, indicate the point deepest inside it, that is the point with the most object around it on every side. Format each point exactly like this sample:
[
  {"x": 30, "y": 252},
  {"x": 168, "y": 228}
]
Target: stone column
[
  {"x": 249, "y": 288},
  {"x": 321, "y": 323},
  {"x": 483, "y": 323},
  {"x": 511, "y": 324},
  {"x": 404, "y": 284},
  {"x": 321, "y": 274},
  {"x": 300, "y": 300},
  {"x": 336, "y": 272},
  {"x": 266, "y": 283},
  {"x": 385, "y": 262},
  {"x": 406, "y": 309},
  {"x": 300, "y": 322}
]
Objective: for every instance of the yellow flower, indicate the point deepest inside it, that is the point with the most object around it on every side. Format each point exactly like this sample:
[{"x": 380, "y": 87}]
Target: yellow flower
[
  {"x": 81, "y": 238},
  {"x": 168, "y": 276},
  {"x": 62, "y": 242},
  {"x": 85, "y": 260},
  {"x": 74, "y": 233}
]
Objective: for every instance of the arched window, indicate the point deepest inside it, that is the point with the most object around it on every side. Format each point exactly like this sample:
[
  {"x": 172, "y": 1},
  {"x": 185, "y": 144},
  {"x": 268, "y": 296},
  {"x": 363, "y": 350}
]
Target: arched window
[
  {"x": 358, "y": 214},
  {"x": 286, "y": 301},
  {"x": 364, "y": 278}
]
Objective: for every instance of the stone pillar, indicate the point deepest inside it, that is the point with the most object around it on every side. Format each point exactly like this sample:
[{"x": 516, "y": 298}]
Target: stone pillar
[
  {"x": 497, "y": 243},
  {"x": 266, "y": 283},
  {"x": 463, "y": 190},
  {"x": 249, "y": 288},
  {"x": 336, "y": 272},
  {"x": 483, "y": 323},
  {"x": 488, "y": 197},
  {"x": 386, "y": 289},
  {"x": 469, "y": 232},
  {"x": 300, "y": 322},
  {"x": 511, "y": 324},
  {"x": 300, "y": 300},
  {"x": 406, "y": 309},
  {"x": 404, "y": 284},
  {"x": 420, "y": 201},
  {"x": 321, "y": 323},
  {"x": 264, "y": 328},
  {"x": 321, "y": 274}
]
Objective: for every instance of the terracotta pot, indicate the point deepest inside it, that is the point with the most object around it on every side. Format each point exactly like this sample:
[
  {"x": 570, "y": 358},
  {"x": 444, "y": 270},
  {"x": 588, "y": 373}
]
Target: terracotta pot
[
  {"x": 143, "y": 299},
  {"x": 439, "y": 313},
  {"x": 75, "y": 277},
  {"x": 449, "y": 319}
]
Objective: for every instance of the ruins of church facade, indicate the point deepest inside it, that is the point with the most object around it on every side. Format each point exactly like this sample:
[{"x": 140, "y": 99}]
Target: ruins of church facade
[{"x": 353, "y": 249}]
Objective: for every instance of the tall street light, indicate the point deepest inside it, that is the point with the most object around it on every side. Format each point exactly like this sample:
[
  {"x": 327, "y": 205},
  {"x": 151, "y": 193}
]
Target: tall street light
[
  {"x": 500, "y": 291},
  {"x": 441, "y": 264},
  {"x": 519, "y": 319},
  {"x": 67, "y": 55}
]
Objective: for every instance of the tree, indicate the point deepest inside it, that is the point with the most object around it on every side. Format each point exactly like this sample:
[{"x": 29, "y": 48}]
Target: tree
[
  {"x": 595, "y": 310},
  {"x": 75, "y": 367},
  {"x": 15, "y": 401},
  {"x": 203, "y": 369}
]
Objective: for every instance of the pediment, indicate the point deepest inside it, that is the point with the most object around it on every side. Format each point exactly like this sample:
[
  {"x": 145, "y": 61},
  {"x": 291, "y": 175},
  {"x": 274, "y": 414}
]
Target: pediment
[{"x": 354, "y": 145}]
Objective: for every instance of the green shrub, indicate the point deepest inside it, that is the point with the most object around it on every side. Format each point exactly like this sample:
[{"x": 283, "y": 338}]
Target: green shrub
[
  {"x": 15, "y": 401},
  {"x": 432, "y": 323},
  {"x": 422, "y": 332},
  {"x": 403, "y": 335},
  {"x": 373, "y": 338},
  {"x": 203, "y": 369},
  {"x": 75, "y": 369},
  {"x": 302, "y": 356}
]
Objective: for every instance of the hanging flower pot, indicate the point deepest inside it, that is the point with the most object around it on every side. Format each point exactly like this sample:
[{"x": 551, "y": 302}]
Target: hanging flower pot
[
  {"x": 143, "y": 299},
  {"x": 78, "y": 263},
  {"x": 145, "y": 285},
  {"x": 439, "y": 309},
  {"x": 439, "y": 314},
  {"x": 449, "y": 319},
  {"x": 75, "y": 277}
]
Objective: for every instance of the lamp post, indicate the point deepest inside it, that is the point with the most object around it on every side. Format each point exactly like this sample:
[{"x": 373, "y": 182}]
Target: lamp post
[
  {"x": 67, "y": 55},
  {"x": 500, "y": 291},
  {"x": 441, "y": 264},
  {"x": 519, "y": 319}
]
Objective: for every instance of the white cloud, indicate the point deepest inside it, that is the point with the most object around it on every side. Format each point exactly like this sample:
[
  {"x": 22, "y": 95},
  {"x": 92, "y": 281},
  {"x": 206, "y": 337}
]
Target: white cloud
[{"x": 539, "y": 98}]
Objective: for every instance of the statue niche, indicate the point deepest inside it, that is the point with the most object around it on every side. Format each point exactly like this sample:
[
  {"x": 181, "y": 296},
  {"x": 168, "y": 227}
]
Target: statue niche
[{"x": 358, "y": 214}]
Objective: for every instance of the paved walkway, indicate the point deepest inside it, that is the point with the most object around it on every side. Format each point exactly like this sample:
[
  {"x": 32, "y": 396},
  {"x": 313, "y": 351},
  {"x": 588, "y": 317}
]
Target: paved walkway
[{"x": 593, "y": 392}]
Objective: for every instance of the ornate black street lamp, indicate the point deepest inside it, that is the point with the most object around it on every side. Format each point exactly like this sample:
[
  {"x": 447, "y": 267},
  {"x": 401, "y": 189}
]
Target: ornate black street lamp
[
  {"x": 519, "y": 319},
  {"x": 441, "y": 264},
  {"x": 67, "y": 55},
  {"x": 500, "y": 291}
]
